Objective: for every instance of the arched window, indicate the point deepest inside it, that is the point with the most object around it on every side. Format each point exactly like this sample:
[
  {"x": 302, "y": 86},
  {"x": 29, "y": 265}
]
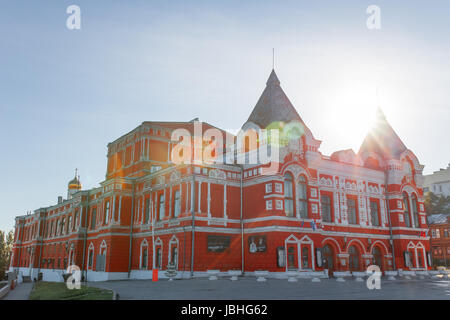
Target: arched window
[
  {"x": 353, "y": 262},
  {"x": 144, "y": 257},
  {"x": 158, "y": 258},
  {"x": 302, "y": 197},
  {"x": 325, "y": 203},
  {"x": 91, "y": 258},
  {"x": 415, "y": 212},
  {"x": 288, "y": 195},
  {"x": 406, "y": 213},
  {"x": 174, "y": 257}
]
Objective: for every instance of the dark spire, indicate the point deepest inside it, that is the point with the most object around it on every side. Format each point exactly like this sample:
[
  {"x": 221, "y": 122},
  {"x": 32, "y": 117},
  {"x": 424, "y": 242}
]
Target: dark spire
[
  {"x": 382, "y": 139},
  {"x": 273, "y": 105}
]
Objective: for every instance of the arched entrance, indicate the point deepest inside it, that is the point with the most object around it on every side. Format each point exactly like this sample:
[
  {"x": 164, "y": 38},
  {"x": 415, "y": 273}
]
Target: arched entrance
[
  {"x": 328, "y": 257},
  {"x": 378, "y": 257},
  {"x": 353, "y": 260}
]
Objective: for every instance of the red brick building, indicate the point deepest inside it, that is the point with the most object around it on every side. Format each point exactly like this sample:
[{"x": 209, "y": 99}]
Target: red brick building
[
  {"x": 340, "y": 212},
  {"x": 440, "y": 239}
]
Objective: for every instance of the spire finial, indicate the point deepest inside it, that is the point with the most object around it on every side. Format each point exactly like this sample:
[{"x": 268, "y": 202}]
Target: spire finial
[
  {"x": 273, "y": 58},
  {"x": 76, "y": 172}
]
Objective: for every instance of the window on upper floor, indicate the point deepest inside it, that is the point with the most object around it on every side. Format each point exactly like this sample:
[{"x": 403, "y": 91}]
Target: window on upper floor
[
  {"x": 177, "y": 204},
  {"x": 147, "y": 211},
  {"x": 106, "y": 212},
  {"x": 406, "y": 212},
  {"x": 279, "y": 204},
  {"x": 415, "y": 211},
  {"x": 302, "y": 197},
  {"x": 161, "y": 206},
  {"x": 325, "y": 204},
  {"x": 268, "y": 187},
  {"x": 351, "y": 211},
  {"x": 63, "y": 225},
  {"x": 374, "y": 213},
  {"x": 288, "y": 195},
  {"x": 278, "y": 187},
  {"x": 69, "y": 224},
  {"x": 269, "y": 205},
  {"x": 93, "y": 218}
]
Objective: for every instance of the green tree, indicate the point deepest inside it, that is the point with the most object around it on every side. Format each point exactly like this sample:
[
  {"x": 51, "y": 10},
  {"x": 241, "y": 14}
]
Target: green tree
[
  {"x": 435, "y": 204},
  {"x": 6, "y": 242}
]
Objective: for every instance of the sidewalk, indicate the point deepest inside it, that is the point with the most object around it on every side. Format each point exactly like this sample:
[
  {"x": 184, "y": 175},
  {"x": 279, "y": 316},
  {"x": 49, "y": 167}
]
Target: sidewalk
[{"x": 21, "y": 292}]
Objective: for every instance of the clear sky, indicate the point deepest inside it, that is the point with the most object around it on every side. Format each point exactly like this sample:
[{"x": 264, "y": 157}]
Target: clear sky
[{"x": 64, "y": 94}]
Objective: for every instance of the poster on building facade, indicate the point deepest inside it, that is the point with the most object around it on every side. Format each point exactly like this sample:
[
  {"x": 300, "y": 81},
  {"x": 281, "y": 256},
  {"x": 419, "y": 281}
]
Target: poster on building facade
[
  {"x": 257, "y": 244},
  {"x": 218, "y": 243}
]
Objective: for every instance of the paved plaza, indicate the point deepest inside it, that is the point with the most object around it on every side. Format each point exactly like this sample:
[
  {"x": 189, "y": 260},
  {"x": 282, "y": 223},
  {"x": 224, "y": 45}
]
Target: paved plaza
[{"x": 248, "y": 288}]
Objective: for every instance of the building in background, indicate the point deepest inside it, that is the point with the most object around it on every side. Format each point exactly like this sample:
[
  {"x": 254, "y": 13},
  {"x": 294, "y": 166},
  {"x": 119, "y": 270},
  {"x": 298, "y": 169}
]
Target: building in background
[
  {"x": 438, "y": 182},
  {"x": 315, "y": 212},
  {"x": 439, "y": 225}
]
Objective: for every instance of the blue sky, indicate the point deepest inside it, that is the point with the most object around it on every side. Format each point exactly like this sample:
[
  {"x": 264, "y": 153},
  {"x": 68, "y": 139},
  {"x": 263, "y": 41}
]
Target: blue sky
[{"x": 64, "y": 94}]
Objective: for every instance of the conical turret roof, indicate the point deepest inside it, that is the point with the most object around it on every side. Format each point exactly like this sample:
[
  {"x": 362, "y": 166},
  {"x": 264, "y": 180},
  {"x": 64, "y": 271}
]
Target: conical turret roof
[
  {"x": 382, "y": 139},
  {"x": 273, "y": 105}
]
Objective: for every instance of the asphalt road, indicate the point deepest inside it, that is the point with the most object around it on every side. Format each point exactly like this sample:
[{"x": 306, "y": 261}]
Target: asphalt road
[{"x": 248, "y": 288}]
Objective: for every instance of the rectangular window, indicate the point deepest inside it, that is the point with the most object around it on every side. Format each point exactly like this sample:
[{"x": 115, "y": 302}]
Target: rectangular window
[
  {"x": 374, "y": 214},
  {"x": 147, "y": 211},
  {"x": 107, "y": 212},
  {"x": 269, "y": 205},
  {"x": 177, "y": 204},
  {"x": 268, "y": 188},
  {"x": 63, "y": 224},
  {"x": 351, "y": 211},
  {"x": 278, "y": 187},
  {"x": 161, "y": 206},
  {"x": 325, "y": 202},
  {"x": 93, "y": 218},
  {"x": 279, "y": 204},
  {"x": 438, "y": 234}
]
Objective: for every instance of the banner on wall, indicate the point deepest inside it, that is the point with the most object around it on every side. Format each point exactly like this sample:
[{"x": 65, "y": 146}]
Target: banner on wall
[{"x": 257, "y": 244}]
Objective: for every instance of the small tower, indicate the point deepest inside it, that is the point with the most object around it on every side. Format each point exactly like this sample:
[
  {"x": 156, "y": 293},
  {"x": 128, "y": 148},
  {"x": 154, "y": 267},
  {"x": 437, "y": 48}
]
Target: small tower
[{"x": 74, "y": 185}]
